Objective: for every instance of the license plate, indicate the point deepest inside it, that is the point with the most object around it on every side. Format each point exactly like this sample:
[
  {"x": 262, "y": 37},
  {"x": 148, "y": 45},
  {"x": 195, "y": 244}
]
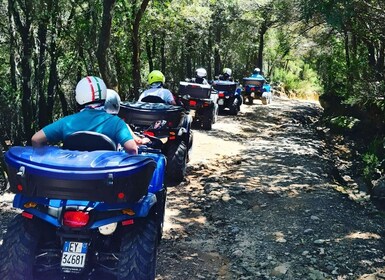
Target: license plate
[
  {"x": 74, "y": 254},
  {"x": 221, "y": 102},
  {"x": 253, "y": 94}
]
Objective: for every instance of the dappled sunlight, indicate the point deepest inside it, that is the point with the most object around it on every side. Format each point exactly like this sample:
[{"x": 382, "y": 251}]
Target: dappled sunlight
[{"x": 362, "y": 235}]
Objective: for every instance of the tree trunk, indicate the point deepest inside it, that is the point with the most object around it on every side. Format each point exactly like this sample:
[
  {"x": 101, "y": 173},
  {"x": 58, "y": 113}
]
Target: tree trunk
[
  {"x": 104, "y": 43},
  {"x": 262, "y": 33},
  {"x": 149, "y": 54},
  {"x": 24, "y": 30},
  {"x": 135, "y": 41}
]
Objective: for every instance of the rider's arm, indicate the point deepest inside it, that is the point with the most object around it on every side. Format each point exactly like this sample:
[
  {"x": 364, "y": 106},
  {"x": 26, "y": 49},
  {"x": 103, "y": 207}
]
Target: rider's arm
[
  {"x": 130, "y": 147},
  {"x": 39, "y": 139}
]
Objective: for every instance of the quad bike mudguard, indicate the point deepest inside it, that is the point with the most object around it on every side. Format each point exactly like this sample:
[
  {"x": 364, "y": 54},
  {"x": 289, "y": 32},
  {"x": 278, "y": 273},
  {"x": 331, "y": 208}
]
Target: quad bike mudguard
[{"x": 65, "y": 174}]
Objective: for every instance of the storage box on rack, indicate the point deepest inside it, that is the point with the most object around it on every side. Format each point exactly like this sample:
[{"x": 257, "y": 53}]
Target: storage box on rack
[
  {"x": 253, "y": 82},
  {"x": 146, "y": 114},
  {"x": 197, "y": 91},
  {"x": 105, "y": 176},
  {"x": 226, "y": 86}
]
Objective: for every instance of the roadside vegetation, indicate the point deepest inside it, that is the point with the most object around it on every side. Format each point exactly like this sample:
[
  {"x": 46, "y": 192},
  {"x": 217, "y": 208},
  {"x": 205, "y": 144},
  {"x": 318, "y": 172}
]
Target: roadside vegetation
[{"x": 334, "y": 51}]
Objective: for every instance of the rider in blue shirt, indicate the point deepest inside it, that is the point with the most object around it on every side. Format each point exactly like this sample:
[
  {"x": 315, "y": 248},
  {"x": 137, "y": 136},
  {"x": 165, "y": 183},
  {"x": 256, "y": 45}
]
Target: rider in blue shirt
[
  {"x": 90, "y": 94},
  {"x": 257, "y": 74}
]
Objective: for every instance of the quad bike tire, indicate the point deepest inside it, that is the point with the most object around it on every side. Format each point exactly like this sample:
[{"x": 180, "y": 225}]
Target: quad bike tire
[
  {"x": 176, "y": 161},
  {"x": 208, "y": 119},
  {"x": 138, "y": 250},
  {"x": 215, "y": 117},
  {"x": 19, "y": 249},
  {"x": 264, "y": 100},
  {"x": 234, "y": 108}
]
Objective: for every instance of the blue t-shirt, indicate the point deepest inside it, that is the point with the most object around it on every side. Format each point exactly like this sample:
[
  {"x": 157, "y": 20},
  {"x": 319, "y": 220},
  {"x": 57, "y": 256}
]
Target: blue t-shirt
[
  {"x": 257, "y": 77},
  {"x": 89, "y": 120}
]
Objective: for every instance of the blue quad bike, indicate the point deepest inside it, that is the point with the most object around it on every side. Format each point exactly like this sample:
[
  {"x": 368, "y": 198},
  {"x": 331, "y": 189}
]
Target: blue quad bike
[
  {"x": 88, "y": 211},
  {"x": 202, "y": 100},
  {"x": 229, "y": 96},
  {"x": 254, "y": 88},
  {"x": 171, "y": 124}
]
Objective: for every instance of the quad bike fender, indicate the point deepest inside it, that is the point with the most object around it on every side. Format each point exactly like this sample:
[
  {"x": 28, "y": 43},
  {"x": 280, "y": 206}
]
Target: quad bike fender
[
  {"x": 186, "y": 125},
  {"x": 141, "y": 209}
]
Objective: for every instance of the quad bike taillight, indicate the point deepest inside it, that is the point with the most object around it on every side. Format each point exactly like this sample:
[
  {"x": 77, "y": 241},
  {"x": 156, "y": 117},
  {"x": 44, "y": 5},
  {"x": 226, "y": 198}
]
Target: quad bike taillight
[
  {"x": 221, "y": 94},
  {"x": 75, "y": 219}
]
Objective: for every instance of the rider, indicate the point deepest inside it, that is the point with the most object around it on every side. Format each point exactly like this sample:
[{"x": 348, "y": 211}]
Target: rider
[
  {"x": 226, "y": 75},
  {"x": 257, "y": 74},
  {"x": 90, "y": 94},
  {"x": 200, "y": 76},
  {"x": 156, "y": 80}
]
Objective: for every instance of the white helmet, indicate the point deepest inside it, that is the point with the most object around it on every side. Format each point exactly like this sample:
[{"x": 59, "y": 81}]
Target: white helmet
[
  {"x": 201, "y": 73},
  {"x": 227, "y": 71},
  {"x": 257, "y": 70},
  {"x": 112, "y": 103},
  {"x": 90, "y": 89}
]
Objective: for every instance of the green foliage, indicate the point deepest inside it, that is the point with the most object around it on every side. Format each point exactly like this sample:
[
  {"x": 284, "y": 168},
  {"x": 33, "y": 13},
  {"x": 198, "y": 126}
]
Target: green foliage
[
  {"x": 371, "y": 163},
  {"x": 374, "y": 158},
  {"x": 344, "y": 123}
]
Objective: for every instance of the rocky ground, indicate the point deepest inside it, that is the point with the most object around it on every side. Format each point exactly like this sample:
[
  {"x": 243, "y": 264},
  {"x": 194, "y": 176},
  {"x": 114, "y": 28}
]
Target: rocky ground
[{"x": 267, "y": 197}]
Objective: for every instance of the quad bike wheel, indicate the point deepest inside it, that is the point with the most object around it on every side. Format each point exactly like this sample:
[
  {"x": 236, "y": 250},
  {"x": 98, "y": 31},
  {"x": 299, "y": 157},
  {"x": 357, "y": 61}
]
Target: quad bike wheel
[
  {"x": 176, "y": 161},
  {"x": 208, "y": 119},
  {"x": 138, "y": 250},
  {"x": 235, "y": 107},
  {"x": 17, "y": 255},
  {"x": 215, "y": 117},
  {"x": 264, "y": 100}
]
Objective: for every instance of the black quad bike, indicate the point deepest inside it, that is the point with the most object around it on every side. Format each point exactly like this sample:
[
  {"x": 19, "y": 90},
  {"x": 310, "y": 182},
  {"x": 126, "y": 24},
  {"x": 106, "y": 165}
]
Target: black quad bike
[
  {"x": 170, "y": 123},
  {"x": 202, "y": 100},
  {"x": 229, "y": 96}
]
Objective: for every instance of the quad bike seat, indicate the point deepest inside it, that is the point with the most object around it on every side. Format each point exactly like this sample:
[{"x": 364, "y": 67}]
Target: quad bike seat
[
  {"x": 153, "y": 99},
  {"x": 88, "y": 141}
]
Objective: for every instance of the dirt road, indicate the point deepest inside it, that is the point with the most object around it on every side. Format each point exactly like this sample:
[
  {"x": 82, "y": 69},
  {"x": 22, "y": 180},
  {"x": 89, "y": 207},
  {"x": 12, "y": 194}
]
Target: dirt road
[{"x": 259, "y": 203}]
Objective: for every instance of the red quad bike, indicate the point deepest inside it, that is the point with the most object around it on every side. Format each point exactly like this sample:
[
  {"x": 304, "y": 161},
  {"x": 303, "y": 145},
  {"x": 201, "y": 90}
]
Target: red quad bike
[
  {"x": 202, "y": 99},
  {"x": 170, "y": 123}
]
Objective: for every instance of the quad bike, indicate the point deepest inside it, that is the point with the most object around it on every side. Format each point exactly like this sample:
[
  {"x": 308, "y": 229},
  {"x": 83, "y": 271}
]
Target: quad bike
[
  {"x": 254, "y": 88},
  {"x": 170, "y": 123},
  {"x": 203, "y": 102},
  {"x": 229, "y": 96},
  {"x": 88, "y": 211}
]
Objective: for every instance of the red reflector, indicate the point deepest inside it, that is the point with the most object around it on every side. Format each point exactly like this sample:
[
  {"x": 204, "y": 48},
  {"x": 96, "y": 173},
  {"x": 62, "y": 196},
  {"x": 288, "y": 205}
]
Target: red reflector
[
  {"x": 120, "y": 195},
  {"x": 252, "y": 89},
  {"x": 19, "y": 187},
  {"x": 27, "y": 215},
  {"x": 149, "y": 133},
  {"x": 193, "y": 103},
  {"x": 221, "y": 94},
  {"x": 172, "y": 137},
  {"x": 170, "y": 124},
  {"x": 128, "y": 222},
  {"x": 206, "y": 104},
  {"x": 75, "y": 219}
]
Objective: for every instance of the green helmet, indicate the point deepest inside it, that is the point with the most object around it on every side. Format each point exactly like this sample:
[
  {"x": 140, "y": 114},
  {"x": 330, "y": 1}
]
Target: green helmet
[{"x": 156, "y": 76}]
